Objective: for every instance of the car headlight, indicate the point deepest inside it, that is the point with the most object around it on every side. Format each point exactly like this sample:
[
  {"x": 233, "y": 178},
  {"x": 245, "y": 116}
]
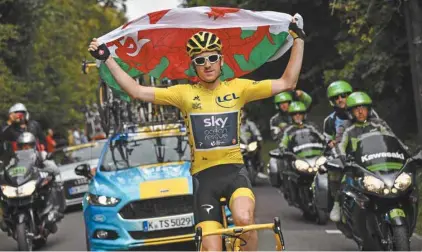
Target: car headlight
[
  {"x": 320, "y": 161},
  {"x": 403, "y": 181},
  {"x": 252, "y": 146},
  {"x": 21, "y": 191},
  {"x": 101, "y": 200},
  {"x": 301, "y": 165},
  {"x": 372, "y": 184}
]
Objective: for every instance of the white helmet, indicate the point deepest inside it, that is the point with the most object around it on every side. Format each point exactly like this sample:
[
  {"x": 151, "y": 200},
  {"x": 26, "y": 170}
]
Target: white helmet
[
  {"x": 19, "y": 107},
  {"x": 26, "y": 138}
]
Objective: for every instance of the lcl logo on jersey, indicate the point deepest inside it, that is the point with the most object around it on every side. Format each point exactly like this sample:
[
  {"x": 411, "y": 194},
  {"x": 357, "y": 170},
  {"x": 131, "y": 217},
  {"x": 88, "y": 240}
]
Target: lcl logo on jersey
[{"x": 227, "y": 101}]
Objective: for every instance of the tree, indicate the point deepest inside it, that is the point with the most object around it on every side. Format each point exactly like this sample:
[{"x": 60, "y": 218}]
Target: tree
[
  {"x": 46, "y": 46},
  {"x": 373, "y": 48}
]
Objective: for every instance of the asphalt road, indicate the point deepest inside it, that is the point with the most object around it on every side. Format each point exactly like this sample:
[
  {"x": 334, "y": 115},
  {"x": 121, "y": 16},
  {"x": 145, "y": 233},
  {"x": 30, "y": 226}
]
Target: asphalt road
[{"x": 299, "y": 234}]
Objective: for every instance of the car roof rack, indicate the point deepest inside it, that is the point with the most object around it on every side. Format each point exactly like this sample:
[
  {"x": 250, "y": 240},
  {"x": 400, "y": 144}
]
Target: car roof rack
[{"x": 151, "y": 127}]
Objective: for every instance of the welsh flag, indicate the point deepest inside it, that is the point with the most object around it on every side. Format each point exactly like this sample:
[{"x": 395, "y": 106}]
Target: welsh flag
[{"x": 155, "y": 44}]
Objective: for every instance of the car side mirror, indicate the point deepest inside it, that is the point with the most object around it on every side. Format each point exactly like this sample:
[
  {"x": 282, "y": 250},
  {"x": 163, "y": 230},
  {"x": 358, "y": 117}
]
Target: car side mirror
[{"x": 83, "y": 170}]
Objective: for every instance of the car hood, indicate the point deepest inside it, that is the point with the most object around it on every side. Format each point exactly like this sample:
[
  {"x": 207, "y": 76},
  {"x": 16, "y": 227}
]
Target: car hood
[
  {"x": 132, "y": 184},
  {"x": 67, "y": 171}
]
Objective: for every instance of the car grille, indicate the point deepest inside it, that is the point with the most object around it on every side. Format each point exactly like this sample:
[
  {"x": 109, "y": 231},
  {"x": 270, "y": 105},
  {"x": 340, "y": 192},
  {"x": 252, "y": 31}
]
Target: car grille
[
  {"x": 71, "y": 183},
  {"x": 140, "y": 235},
  {"x": 159, "y": 207}
]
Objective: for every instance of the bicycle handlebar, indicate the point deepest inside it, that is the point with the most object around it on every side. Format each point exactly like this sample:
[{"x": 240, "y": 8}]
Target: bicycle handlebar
[{"x": 86, "y": 65}]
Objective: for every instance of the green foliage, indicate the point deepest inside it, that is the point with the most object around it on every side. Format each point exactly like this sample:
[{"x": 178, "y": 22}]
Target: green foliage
[
  {"x": 372, "y": 45},
  {"x": 47, "y": 44}
]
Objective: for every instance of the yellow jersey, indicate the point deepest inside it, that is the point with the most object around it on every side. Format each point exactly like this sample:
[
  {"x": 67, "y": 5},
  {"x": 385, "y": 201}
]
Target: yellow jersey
[{"x": 212, "y": 117}]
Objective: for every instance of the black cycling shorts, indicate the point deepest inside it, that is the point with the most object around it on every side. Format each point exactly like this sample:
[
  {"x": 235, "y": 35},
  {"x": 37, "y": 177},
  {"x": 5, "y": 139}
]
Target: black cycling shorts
[{"x": 210, "y": 185}]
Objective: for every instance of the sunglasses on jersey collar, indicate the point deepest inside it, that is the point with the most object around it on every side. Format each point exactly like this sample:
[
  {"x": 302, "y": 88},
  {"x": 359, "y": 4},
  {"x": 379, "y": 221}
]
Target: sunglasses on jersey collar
[{"x": 200, "y": 61}]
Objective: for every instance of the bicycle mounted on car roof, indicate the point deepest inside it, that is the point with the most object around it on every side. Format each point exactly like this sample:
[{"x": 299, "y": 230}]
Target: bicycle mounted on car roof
[{"x": 115, "y": 112}]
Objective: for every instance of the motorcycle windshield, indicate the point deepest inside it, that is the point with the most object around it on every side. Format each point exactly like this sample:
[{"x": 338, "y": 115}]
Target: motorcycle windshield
[
  {"x": 306, "y": 143},
  {"x": 21, "y": 168},
  {"x": 380, "y": 153}
]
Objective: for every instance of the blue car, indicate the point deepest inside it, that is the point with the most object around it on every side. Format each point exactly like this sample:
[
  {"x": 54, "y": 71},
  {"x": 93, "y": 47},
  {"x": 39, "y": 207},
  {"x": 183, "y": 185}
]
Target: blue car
[{"x": 141, "y": 193}]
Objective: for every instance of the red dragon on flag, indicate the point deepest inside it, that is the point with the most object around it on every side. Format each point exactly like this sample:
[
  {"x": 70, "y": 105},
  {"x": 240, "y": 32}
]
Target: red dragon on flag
[{"x": 155, "y": 43}]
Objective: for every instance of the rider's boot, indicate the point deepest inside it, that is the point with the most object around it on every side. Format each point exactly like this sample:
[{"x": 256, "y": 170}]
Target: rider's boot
[
  {"x": 55, "y": 200},
  {"x": 335, "y": 212},
  {"x": 3, "y": 225}
]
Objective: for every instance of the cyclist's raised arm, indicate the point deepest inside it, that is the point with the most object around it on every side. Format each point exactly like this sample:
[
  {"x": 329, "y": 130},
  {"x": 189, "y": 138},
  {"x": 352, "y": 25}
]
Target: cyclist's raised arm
[
  {"x": 128, "y": 84},
  {"x": 162, "y": 96},
  {"x": 290, "y": 76}
]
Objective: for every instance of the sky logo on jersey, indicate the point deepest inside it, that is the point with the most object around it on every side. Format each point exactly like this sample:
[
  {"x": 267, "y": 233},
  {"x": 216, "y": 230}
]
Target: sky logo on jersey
[
  {"x": 214, "y": 130},
  {"x": 214, "y": 121}
]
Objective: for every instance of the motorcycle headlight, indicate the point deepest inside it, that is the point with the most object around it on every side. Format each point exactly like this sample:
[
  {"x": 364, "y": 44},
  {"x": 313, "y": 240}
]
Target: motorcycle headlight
[
  {"x": 252, "y": 146},
  {"x": 301, "y": 165},
  {"x": 372, "y": 184},
  {"x": 320, "y": 161},
  {"x": 403, "y": 181},
  {"x": 21, "y": 191},
  {"x": 101, "y": 200}
]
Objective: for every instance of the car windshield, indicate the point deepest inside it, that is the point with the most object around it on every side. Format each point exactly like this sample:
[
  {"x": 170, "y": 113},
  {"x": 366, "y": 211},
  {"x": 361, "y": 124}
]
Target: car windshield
[
  {"x": 79, "y": 153},
  {"x": 123, "y": 154}
]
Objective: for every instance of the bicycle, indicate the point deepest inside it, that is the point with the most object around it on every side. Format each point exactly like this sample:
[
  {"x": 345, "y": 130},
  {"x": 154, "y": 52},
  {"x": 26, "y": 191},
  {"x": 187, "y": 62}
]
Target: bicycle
[
  {"x": 116, "y": 114},
  {"x": 231, "y": 236}
]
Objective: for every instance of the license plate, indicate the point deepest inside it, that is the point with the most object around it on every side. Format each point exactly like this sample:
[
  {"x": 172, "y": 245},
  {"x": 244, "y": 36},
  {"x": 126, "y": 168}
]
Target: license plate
[
  {"x": 78, "y": 189},
  {"x": 168, "y": 222}
]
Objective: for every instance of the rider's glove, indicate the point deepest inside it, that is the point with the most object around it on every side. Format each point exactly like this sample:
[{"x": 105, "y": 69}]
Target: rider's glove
[
  {"x": 102, "y": 53},
  {"x": 296, "y": 32}
]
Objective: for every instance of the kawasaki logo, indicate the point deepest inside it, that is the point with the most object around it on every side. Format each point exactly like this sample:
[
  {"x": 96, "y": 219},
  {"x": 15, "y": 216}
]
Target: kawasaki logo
[
  {"x": 308, "y": 145},
  {"x": 382, "y": 155}
]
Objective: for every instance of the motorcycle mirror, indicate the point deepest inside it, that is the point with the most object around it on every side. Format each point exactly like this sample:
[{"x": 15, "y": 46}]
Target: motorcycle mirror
[
  {"x": 322, "y": 169},
  {"x": 49, "y": 156},
  {"x": 275, "y": 153},
  {"x": 335, "y": 164},
  {"x": 83, "y": 170},
  {"x": 418, "y": 155}
]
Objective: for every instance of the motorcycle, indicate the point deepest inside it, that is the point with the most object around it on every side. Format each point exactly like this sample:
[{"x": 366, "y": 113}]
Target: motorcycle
[
  {"x": 302, "y": 186},
  {"x": 26, "y": 213},
  {"x": 249, "y": 149},
  {"x": 378, "y": 196}
]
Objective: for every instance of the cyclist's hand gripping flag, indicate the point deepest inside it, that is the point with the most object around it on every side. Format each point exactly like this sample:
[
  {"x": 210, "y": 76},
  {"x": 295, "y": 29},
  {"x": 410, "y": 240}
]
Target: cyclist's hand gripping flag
[{"x": 155, "y": 43}]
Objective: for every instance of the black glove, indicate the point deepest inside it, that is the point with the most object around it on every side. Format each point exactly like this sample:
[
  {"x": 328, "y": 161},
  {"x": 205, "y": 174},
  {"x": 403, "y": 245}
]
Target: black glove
[
  {"x": 296, "y": 32},
  {"x": 102, "y": 53}
]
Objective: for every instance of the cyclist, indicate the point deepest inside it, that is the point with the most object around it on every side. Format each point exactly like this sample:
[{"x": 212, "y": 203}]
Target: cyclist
[
  {"x": 281, "y": 101},
  {"x": 212, "y": 107},
  {"x": 359, "y": 106}
]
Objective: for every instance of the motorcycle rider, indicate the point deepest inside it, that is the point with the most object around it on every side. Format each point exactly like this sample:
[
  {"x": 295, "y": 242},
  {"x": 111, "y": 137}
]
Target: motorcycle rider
[
  {"x": 19, "y": 122},
  {"x": 297, "y": 112},
  {"x": 249, "y": 129},
  {"x": 281, "y": 119},
  {"x": 337, "y": 93},
  {"x": 359, "y": 106},
  {"x": 27, "y": 141}
]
